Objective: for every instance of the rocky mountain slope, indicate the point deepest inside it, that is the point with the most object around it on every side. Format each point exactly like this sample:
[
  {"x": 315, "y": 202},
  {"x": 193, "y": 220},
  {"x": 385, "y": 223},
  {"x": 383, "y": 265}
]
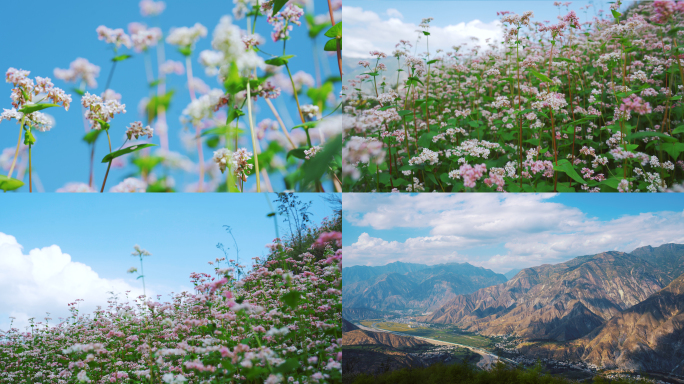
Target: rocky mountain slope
[
  {"x": 361, "y": 272},
  {"x": 559, "y": 302},
  {"x": 361, "y": 337},
  {"x": 421, "y": 288},
  {"x": 647, "y": 336}
]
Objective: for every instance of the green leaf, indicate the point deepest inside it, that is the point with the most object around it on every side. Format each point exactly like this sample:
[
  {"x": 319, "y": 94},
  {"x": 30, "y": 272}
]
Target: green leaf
[
  {"x": 307, "y": 125},
  {"x": 271, "y": 214},
  {"x": 158, "y": 101},
  {"x": 432, "y": 61},
  {"x": 540, "y": 76},
  {"x": 91, "y": 136},
  {"x": 315, "y": 168},
  {"x": 78, "y": 91},
  {"x": 568, "y": 169},
  {"x": 673, "y": 149},
  {"x": 185, "y": 51},
  {"x": 9, "y": 184},
  {"x": 675, "y": 98},
  {"x": 335, "y": 31},
  {"x": 615, "y": 13},
  {"x": 288, "y": 366},
  {"x": 156, "y": 82},
  {"x": 29, "y": 139},
  {"x": 279, "y": 61},
  {"x": 292, "y": 298},
  {"x": 37, "y": 107},
  {"x": 426, "y": 33},
  {"x": 679, "y": 129},
  {"x": 125, "y": 151},
  {"x": 331, "y": 45},
  {"x": 278, "y": 5},
  {"x": 643, "y": 134},
  {"x": 121, "y": 58},
  {"x": 298, "y": 153}
]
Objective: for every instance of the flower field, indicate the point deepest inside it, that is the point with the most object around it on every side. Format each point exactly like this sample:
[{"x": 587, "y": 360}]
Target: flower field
[
  {"x": 268, "y": 118},
  {"x": 579, "y": 104},
  {"x": 279, "y": 323}
]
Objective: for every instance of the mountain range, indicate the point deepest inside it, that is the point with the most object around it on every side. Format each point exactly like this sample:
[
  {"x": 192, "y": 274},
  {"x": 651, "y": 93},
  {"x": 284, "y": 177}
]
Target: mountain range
[
  {"x": 613, "y": 309},
  {"x": 399, "y": 286}
]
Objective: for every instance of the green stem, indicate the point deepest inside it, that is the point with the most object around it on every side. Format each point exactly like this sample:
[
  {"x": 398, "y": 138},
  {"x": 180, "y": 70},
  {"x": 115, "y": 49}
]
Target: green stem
[
  {"x": 294, "y": 90},
  {"x": 16, "y": 151},
  {"x": 254, "y": 139},
  {"x": 108, "y": 165}
]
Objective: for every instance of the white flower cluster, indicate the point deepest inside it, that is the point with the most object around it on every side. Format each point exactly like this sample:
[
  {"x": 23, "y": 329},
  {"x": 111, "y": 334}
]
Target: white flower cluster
[
  {"x": 186, "y": 37},
  {"x": 202, "y": 107},
  {"x": 309, "y": 111},
  {"x": 427, "y": 156},
  {"x": 130, "y": 185},
  {"x": 114, "y": 36},
  {"x": 310, "y": 153},
  {"x": 227, "y": 40},
  {"x": 99, "y": 109},
  {"x": 151, "y": 8},
  {"x": 144, "y": 38},
  {"x": 79, "y": 70},
  {"x": 135, "y": 130},
  {"x": 359, "y": 150}
]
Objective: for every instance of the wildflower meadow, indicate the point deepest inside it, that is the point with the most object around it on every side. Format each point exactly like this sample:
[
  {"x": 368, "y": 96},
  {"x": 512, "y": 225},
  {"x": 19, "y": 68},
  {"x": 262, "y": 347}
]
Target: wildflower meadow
[
  {"x": 266, "y": 118},
  {"x": 278, "y": 323},
  {"x": 578, "y": 104}
]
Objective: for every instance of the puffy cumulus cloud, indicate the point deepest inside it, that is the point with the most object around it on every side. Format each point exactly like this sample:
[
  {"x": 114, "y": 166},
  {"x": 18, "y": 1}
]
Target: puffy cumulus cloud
[
  {"x": 523, "y": 230},
  {"x": 365, "y": 31},
  {"x": 391, "y": 12},
  {"x": 46, "y": 280},
  {"x": 368, "y": 250}
]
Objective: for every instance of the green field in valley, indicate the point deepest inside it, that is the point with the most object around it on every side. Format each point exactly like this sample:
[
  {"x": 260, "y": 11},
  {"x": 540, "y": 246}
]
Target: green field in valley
[{"x": 450, "y": 335}]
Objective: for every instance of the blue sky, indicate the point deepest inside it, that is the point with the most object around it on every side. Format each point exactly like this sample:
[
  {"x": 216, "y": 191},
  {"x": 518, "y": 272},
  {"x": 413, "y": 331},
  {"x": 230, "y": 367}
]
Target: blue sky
[
  {"x": 380, "y": 24},
  {"x": 503, "y": 232},
  {"x": 180, "y": 230},
  {"x": 56, "y": 33}
]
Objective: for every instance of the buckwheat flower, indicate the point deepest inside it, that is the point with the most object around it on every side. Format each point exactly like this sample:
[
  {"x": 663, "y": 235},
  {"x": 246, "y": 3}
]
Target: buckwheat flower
[
  {"x": 151, "y": 8},
  {"x": 300, "y": 79},
  {"x": 41, "y": 121},
  {"x": 145, "y": 38},
  {"x": 9, "y": 114},
  {"x": 76, "y": 188},
  {"x": 81, "y": 377},
  {"x": 222, "y": 157},
  {"x": 227, "y": 39},
  {"x": 212, "y": 61},
  {"x": 309, "y": 110},
  {"x": 636, "y": 104},
  {"x": 274, "y": 379},
  {"x": 242, "y": 7},
  {"x": 310, "y": 153},
  {"x": 623, "y": 186},
  {"x": 284, "y": 20},
  {"x": 171, "y": 66},
  {"x": 240, "y": 163},
  {"x": 17, "y": 76},
  {"x": 132, "y": 270},
  {"x": 202, "y": 107},
  {"x": 110, "y": 94},
  {"x": 114, "y": 36},
  {"x": 130, "y": 185},
  {"x": 169, "y": 378},
  {"x": 252, "y": 40},
  {"x": 186, "y": 37}
]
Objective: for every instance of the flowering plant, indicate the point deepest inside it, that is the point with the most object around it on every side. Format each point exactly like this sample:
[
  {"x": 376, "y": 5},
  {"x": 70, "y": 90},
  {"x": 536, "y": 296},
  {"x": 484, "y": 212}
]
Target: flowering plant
[
  {"x": 253, "y": 82},
  {"x": 279, "y": 323},
  {"x": 572, "y": 106}
]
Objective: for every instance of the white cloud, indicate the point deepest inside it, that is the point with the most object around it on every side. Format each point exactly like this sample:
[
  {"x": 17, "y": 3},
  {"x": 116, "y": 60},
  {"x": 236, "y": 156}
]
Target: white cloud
[
  {"x": 46, "y": 280},
  {"x": 365, "y": 31},
  {"x": 391, "y": 12},
  {"x": 530, "y": 229}
]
